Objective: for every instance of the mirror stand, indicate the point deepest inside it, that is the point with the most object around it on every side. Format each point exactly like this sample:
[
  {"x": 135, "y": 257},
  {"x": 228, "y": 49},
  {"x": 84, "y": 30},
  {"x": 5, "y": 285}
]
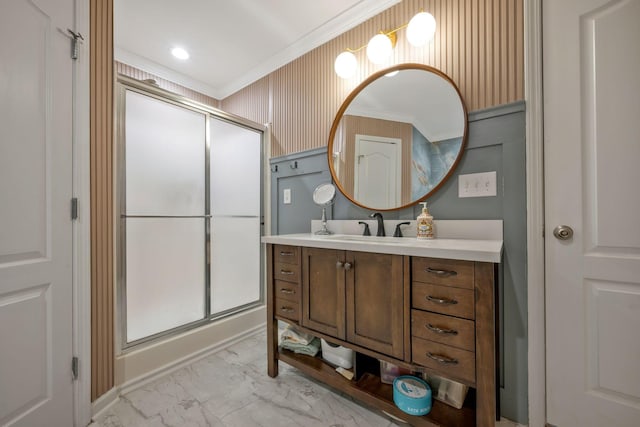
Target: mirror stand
[
  {"x": 324, "y": 231},
  {"x": 323, "y": 196}
]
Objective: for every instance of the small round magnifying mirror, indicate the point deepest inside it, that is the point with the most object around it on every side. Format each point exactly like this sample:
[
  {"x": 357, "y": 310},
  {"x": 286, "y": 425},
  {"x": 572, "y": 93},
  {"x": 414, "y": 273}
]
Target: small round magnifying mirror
[{"x": 323, "y": 195}]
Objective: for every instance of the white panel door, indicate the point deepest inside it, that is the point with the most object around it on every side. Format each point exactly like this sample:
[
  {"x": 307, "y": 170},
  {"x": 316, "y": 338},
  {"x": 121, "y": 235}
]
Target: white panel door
[
  {"x": 35, "y": 224},
  {"x": 377, "y": 181},
  {"x": 592, "y": 148}
]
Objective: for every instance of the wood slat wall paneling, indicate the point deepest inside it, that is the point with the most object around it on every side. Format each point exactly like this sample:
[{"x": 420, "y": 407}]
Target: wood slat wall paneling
[
  {"x": 138, "y": 74},
  {"x": 478, "y": 43},
  {"x": 252, "y": 102},
  {"x": 101, "y": 158}
]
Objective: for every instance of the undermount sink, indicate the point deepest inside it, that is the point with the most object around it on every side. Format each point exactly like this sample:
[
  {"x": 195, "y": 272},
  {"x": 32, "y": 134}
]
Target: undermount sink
[{"x": 367, "y": 239}]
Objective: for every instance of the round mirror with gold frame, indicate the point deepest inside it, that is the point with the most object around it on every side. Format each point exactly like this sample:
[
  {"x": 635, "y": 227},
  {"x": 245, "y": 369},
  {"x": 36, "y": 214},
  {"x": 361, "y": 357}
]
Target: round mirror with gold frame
[{"x": 397, "y": 137}]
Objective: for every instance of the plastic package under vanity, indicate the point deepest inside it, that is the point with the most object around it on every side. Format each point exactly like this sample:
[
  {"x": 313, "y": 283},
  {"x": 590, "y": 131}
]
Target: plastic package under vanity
[
  {"x": 337, "y": 355},
  {"x": 389, "y": 372},
  {"x": 447, "y": 391}
]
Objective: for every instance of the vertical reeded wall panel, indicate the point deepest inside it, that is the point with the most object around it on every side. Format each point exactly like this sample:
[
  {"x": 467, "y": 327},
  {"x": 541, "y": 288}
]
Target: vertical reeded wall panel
[
  {"x": 252, "y": 102},
  {"x": 102, "y": 280},
  {"x": 478, "y": 43},
  {"x": 129, "y": 71}
]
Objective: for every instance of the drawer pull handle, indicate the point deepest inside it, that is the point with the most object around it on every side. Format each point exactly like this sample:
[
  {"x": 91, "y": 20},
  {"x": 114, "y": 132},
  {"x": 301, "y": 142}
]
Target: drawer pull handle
[
  {"x": 443, "y": 301},
  {"x": 282, "y": 253},
  {"x": 442, "y": 359},
  {"x": 444, "y": 273},
  {"x": 287, "y": 291},
  {"x": 441, "y": 331},
  {"x": 287, "y": 309},
  {"x": 286, "y": 272}
]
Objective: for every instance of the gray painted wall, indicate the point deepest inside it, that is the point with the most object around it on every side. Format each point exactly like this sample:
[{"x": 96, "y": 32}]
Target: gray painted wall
[{"x": 496, "y": 143}]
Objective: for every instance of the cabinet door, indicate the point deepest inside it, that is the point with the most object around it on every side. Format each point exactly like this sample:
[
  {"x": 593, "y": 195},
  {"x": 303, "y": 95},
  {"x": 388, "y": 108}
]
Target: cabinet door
[
  {"x": 323, "y": 298},
  {"x": 375, "y": 302}
]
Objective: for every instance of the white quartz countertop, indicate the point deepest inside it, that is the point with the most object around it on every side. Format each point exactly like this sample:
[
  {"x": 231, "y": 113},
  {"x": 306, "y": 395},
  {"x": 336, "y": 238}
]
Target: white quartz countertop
[{"x": 463, "y": 249}]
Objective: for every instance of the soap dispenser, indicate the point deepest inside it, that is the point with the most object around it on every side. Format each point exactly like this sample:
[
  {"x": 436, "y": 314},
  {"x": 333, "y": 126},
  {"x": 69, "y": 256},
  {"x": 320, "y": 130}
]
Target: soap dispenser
[{"x": 425, "y": 224}]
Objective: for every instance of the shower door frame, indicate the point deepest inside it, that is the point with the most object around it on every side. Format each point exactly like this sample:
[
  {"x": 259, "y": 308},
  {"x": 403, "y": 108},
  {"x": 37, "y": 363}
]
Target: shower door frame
[{"x": 124, "y": 84}]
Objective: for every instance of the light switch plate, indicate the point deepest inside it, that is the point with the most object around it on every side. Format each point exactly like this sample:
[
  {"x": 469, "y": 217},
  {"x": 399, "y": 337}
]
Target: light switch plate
[
  {"x": 477, "y": 185},
  {"x": 286, "y": 196}
]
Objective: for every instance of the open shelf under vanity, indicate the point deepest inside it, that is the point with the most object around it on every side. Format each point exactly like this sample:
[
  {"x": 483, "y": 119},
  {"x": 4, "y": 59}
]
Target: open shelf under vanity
[{"x": 368, "y": 388}]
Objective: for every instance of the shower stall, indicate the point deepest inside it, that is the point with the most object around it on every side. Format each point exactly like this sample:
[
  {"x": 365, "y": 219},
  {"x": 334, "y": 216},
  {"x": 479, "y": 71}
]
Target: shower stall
[{"x": 190, "y": 213}]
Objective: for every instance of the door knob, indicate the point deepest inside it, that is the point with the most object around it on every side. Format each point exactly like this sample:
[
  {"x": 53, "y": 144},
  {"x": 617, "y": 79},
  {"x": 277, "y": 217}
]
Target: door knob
[{"x": 563, "y": 232}]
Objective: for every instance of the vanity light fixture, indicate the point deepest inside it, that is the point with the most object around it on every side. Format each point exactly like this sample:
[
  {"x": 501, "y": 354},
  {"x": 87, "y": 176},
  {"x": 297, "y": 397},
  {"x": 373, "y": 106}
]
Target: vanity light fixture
[
  {"x": 420, "y": 30},
  {"x": 180, "y": 53}
]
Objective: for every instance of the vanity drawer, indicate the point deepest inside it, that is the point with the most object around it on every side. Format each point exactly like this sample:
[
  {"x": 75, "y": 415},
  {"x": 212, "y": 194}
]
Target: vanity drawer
[
  {"x": 448, "y": 272},
  {"x": 450, "y": 361},
  {"x": 448, "y": 330},
  {"x": 443, "y": 299},
  {"x": 287, "y": 272},
  {"x": 287, "y": 309},
  {"x": 287, "y": 290},
  {"x": 286, "y": 254}
]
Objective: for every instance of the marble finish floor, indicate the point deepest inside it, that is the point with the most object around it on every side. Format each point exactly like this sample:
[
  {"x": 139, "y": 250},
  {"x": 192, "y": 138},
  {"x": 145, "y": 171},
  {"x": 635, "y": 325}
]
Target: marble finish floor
[{"x": 231, "y": 389}]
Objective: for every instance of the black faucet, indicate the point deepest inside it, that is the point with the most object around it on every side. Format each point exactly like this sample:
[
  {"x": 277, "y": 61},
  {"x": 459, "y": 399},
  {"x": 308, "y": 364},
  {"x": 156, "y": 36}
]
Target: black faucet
[
  {"x": 366, "y": 231},
  {"x": 378, "y": 216},
  {"x": 398, "y": 232}
]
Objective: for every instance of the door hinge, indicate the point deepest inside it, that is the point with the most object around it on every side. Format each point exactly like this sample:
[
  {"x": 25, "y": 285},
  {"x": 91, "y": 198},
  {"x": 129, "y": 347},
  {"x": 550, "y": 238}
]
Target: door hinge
[
  {"x": 74, "y": 208},
  {"x": 74, "y": 367},
  {"x": 75, "y": 39}
]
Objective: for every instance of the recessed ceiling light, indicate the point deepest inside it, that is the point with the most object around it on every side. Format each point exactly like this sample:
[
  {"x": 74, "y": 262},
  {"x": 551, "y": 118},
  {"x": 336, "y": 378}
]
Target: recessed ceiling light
[{"x": 180, "y": 53}]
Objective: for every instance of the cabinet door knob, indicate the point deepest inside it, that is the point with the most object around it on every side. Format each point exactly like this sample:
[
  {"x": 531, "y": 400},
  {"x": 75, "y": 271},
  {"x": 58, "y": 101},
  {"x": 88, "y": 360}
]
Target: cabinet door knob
[
  {"x": 339, "y": 264},
  {"x": 443, "y": 301},
  {"x": 347, "y": 266},
  {"x": 441, "y": 331},
  {"x": 442, "y": 359}
]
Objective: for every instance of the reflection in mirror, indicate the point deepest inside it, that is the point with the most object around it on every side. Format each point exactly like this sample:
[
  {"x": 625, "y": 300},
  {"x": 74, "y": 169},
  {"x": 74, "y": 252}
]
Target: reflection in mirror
[
  {"x": 323, "y": 195},
  {"x": 397, "y": 138}
]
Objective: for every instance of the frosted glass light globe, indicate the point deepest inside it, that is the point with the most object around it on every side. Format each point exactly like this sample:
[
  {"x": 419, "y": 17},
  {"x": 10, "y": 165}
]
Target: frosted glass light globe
[
  {"x": 345, "y": 65},
  {"x": 421, "y": 29},
  {"x": 379, "y": 48}
]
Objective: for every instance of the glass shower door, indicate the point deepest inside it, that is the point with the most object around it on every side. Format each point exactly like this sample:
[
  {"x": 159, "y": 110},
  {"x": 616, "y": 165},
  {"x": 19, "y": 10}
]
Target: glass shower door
[
  {"x": 235, "y": 185},
  {"x": 164, "y": 215}
]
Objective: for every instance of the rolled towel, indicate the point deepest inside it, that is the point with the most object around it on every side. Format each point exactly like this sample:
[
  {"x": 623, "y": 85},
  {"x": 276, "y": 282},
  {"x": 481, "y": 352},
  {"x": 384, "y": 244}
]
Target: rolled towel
[
  {"x": 292, "y": 335},
  {"x": 310, "y": 349}
]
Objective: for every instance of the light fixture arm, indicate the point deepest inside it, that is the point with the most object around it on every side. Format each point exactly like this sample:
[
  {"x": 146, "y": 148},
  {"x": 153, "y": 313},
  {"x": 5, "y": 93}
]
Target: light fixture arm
[{"x": 420, "y": 29}]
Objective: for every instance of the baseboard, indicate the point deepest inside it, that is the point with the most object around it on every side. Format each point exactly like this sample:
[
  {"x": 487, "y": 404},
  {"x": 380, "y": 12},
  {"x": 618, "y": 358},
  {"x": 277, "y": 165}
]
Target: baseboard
[
  {"x": 169, "y": 368},
  {"x": 102, "y": 404}
]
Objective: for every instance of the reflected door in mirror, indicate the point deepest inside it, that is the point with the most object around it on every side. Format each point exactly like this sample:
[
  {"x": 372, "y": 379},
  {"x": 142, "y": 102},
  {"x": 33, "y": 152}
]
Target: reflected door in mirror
[{"x": 377, "y": 180}]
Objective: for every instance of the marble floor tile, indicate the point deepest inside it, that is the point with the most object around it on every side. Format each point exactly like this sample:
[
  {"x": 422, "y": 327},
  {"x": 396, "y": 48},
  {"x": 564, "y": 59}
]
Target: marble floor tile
[{"x": 231, "y": 388}]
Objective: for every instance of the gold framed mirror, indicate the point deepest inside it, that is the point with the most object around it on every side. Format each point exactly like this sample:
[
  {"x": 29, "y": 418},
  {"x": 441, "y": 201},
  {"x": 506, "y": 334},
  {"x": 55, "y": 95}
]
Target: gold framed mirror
[{"x": 397, "y": 137}]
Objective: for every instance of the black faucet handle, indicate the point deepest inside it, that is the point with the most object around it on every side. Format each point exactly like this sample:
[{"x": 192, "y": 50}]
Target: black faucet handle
[
  {"x": 398, "y": 232},
  {"x": 366, "y": 231}
]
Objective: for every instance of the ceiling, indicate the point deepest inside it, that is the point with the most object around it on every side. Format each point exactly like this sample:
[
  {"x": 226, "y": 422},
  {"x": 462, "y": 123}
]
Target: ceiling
[{"x": 231, "y": 43}]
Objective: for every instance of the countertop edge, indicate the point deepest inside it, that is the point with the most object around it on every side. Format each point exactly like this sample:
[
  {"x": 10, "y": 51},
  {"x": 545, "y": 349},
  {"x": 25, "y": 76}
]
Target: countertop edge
[{"x": 479, "y": 250}]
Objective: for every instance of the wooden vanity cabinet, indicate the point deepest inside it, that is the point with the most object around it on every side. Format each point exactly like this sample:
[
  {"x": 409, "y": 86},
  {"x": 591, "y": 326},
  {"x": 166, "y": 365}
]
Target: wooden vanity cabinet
[
  {"x": 356, "y": 296},
  {"x": 431, "y": 315},
  {"x": 323, "y": 291}
]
